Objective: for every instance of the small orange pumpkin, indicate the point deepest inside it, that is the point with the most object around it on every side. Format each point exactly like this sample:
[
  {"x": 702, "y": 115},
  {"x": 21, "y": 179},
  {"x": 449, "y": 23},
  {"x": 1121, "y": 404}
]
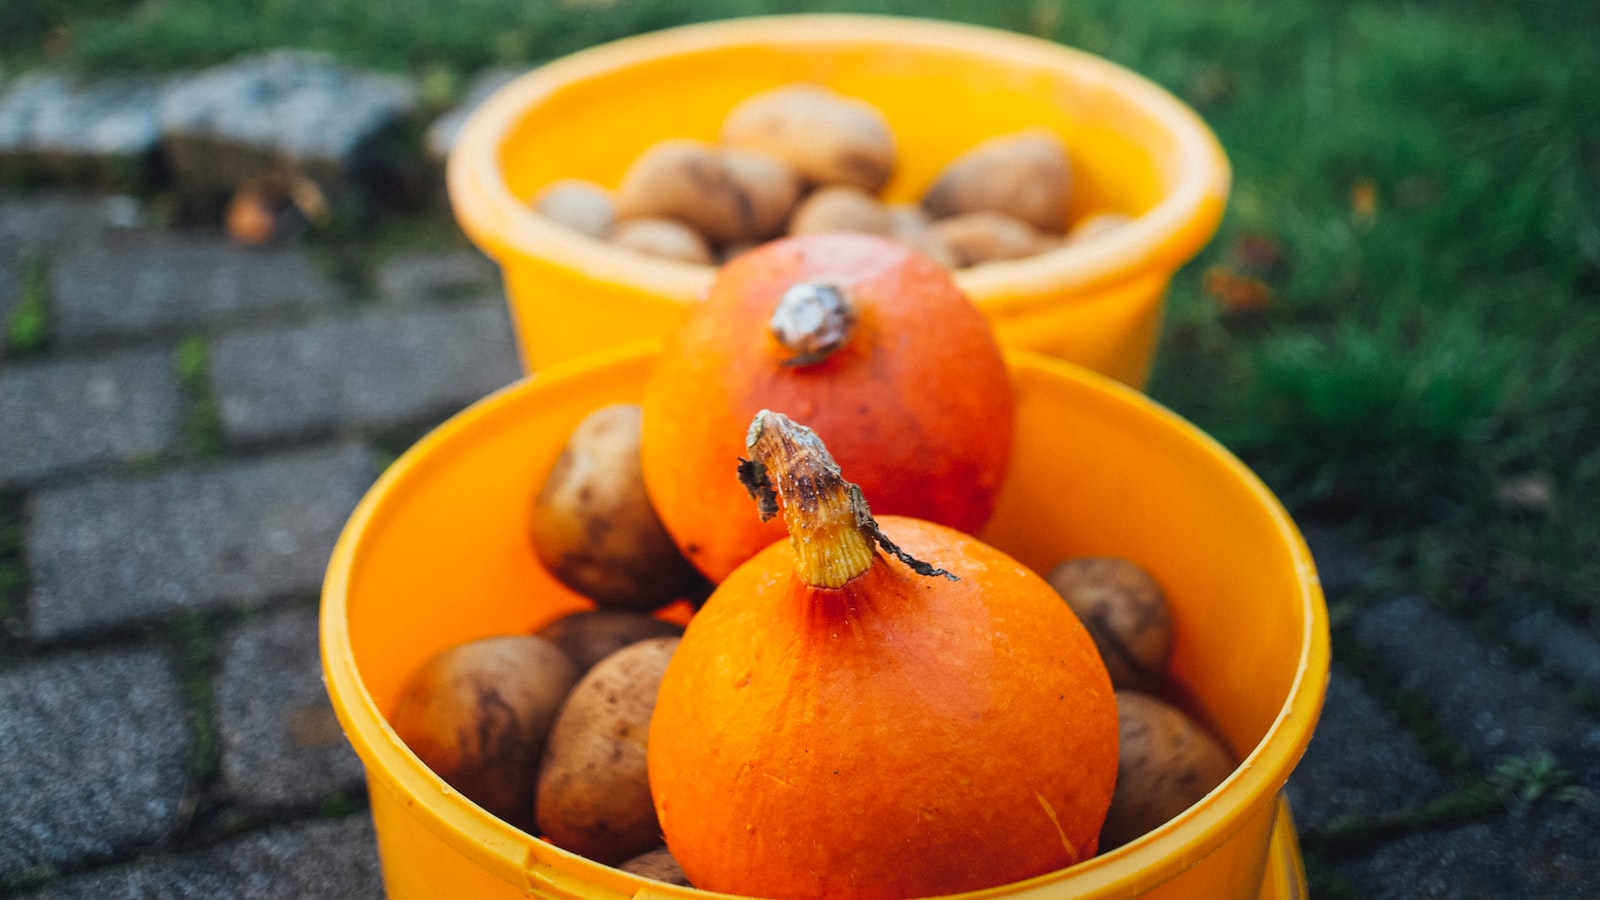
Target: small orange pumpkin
[
  {"x": 840, "y": 721},
  {"x": 869, "y": 342}
]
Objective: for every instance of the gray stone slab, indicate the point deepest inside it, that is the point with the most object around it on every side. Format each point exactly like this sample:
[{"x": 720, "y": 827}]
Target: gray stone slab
[
  {"x": 286, "y": 108},
  {"x": 1548, "y": 853},
  {"x": 383, "y": 368},
  {"x": 113, "y": 549},
  {"x": 409, "y": 278},
  {"x": 281, "y": 744},
  {"x": 107, "y": 129},
  {"x": 94, "y": 749},
  {"x": 64, "y": 414},
  {"x": 1562, "y": 647},
  {"x": 314, "y": 860},
  {"x": 141, "y": 281},
  {"x": 1361, "y": 763},
  {"x": 1493, "y": 707},
  {"x": 52, "y": 218}
]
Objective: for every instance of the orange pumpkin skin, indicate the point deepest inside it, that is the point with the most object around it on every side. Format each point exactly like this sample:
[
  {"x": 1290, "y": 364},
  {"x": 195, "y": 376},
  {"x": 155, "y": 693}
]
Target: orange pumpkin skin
[
  {"x": 901, "y": 736},
  {"x": 917, "y": 406}
]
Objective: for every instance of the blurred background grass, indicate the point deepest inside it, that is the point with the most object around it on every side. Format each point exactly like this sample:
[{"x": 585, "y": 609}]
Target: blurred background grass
[{"x": 1399, "y": 321}]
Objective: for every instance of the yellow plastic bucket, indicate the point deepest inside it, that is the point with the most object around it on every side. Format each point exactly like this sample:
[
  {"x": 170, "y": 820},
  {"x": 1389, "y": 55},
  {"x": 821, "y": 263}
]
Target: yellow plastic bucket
[
  {"x": 436, "y": 554},
  {"x": 942, "y": 86}
]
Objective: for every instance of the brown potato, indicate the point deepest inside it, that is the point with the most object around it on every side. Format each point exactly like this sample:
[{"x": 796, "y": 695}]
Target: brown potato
[
  {"x": 769, "y": 187},
  {"x": 827, "y": 137},
  {"x": 841, "y": 208},
  {"x": 478, "y": 714},
  {"x": 1166, "y": 762},
  {"x": 593, "y": 794},
  {"x": 689, "y": 181},
  {"x": 1025, "y": 175},
  {"x": 663, "y": 237},
  {"x": 911, "y": 224},
  {"x": 1126, "y": 613},
  {"x": 592, "y": 524},
  {"x": 1096, "y": 224},
  {"x": 590, "y": 636},
  {"x": 659, "y": 864},
  {"x": 974, "y": 238},
  {"x": 583, "y": 206}
]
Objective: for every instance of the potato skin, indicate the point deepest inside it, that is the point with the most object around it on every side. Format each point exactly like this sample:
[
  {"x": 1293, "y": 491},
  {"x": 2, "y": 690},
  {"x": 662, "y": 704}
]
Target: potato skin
[
  {"x": 1167, "y": 761},
  {"x": 590, "y": 636},
  {"x": 1025, "y": 175},
  {"x": 663, "y": 237},
  {"x": 687, "y": 180},
  {"x": 658, "y": 864},
  {"x": 593, "y": 526},
  {"x": 583, "y": 206},
  {"x": 841, "y": 207},
  {"x": 1126, "y": 614},
  {"x": 827, "y": 137},
  {"x": 593, "y": 795},
  {"x": 478, "y": 715},
  {"x": 984, "y": 236}
]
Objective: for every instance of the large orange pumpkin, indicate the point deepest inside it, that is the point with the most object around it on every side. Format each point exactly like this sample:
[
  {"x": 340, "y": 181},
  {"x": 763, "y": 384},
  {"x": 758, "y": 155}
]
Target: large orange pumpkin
[
  {"x": 872, "y": 345},
  {"x": 841, "y": 720}
]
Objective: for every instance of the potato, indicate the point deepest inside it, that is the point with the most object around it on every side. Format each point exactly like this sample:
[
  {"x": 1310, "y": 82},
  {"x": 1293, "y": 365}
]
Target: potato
[
  {"x": 827, "y": 137},
  {"x": 590, "y": 636},
  {"x": 769, "y": 187},
  {"x": 1025, "y": 175},
  {"x": 583, "y": 206},
  {"x": 689, "y": 181},
  {"x": 911, "y": 224},
  {"x": 593, "y": 794},
  {"x": 986, "y": 236},
  {"x": 592, "y": 524},
  {"x": 658, "y": 864},
  {"x": 841, "y": 208},
  {"x": 1096, "y": 224},
  {"x": 1126, "y": 614},
  {"x": 1166, "y": 763},
  {"x": 477, "y": 714},
  {"x": 663, "y": 237}
]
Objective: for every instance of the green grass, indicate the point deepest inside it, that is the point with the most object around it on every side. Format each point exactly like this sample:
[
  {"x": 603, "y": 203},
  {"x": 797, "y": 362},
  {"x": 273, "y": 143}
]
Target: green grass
[
  {"x": 27, "y": 329},
  {"x": 202, "y": 426},
  {"x": 1418, "y": 350}
]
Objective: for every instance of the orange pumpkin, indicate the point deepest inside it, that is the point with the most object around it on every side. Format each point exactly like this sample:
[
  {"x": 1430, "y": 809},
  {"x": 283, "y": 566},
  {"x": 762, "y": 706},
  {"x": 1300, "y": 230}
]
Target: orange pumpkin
[
  {"x": 845, "y": 721},
  {"x": 872, "y": 345}
]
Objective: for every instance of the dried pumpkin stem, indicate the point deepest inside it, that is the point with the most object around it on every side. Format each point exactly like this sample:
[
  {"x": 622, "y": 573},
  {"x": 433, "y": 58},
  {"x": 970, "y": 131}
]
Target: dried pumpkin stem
[
  {"x": 812, "y": 319},
  {"x": 830, "y": 526}
]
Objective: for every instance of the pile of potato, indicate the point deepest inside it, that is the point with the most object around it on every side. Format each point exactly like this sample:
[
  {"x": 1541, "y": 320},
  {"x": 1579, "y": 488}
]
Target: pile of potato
[
  {"x": 802, "y": 159},
  {"x": 548, "y": 730}
]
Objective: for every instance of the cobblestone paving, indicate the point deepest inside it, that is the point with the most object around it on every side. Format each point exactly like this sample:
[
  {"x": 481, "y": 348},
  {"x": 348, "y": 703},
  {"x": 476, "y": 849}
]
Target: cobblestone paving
[{"x": 164, "y": 731}]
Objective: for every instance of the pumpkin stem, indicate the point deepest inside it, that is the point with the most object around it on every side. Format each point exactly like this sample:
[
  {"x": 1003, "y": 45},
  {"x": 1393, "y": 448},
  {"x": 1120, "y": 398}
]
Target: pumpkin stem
[
  {"x": 830, "y": 526},
  {"x": 812, "y": 319}
]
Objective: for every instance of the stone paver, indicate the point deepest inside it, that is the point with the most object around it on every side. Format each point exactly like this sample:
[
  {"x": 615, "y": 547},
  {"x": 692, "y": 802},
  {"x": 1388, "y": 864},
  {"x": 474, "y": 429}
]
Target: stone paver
[
  {"x": 107, "y": 130},
  {"x": 430, "y": 277},
  {"x": 383, "y": 368},
  {"x": 75, "y": 412},
  {"x": 94, "y": 749},
  {"x": 1361, "y": 763},
  {"x": 112, "y": 549},
  {"x": 1548, "y": 853},
  {"x": 140, "y": 281},
  {"x": 316, "y": 860},
  {"x": 1492, "y": 707},
  {"x": 279, "y": 109},
  {"x": 281, "y": 744}
]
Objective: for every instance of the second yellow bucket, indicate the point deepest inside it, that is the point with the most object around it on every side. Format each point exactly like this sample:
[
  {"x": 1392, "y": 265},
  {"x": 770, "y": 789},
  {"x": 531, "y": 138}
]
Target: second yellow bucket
[{"x": 942, "y": 86}]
